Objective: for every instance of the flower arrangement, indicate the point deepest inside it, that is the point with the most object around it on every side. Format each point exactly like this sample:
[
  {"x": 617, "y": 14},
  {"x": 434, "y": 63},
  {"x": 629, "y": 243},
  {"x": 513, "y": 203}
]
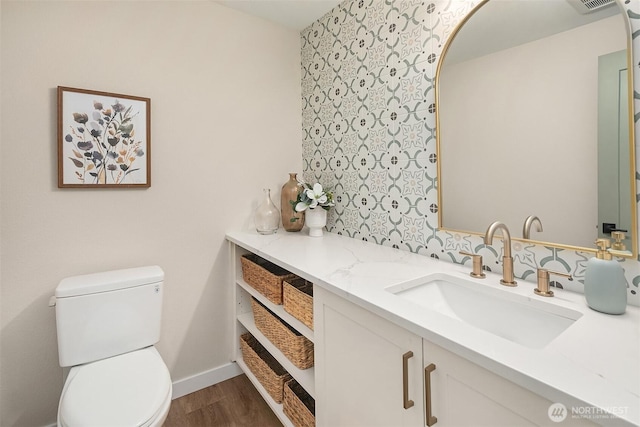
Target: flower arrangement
[{"x": 313, "y": 197}]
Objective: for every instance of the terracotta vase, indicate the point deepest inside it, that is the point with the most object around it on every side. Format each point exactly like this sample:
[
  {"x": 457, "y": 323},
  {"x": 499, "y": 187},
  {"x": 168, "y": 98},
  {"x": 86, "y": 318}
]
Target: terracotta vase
[
  {"x": 316, "y": 221},
  {"x": 291, "y": 220}
]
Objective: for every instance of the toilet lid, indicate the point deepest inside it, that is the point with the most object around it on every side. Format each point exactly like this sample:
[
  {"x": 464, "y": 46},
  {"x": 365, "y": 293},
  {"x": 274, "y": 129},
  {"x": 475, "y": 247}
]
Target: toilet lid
[{"x": 125, "y": 390}]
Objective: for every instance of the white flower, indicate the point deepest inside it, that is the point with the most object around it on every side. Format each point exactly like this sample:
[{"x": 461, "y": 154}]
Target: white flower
[{"x": 314, "y": 197}]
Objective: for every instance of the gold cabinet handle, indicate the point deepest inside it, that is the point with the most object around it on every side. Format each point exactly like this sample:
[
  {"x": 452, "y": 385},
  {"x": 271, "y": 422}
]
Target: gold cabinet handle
[
  {"x": 406, "y": 402},
  {"x": 430, "y": 419}
]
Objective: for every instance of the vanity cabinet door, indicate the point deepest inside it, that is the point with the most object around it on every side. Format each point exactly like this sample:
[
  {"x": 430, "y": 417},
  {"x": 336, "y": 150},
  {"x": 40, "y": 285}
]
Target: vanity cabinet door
[
  {"x": 465, "y": 394},
  {"x": 367, "y": 369}
]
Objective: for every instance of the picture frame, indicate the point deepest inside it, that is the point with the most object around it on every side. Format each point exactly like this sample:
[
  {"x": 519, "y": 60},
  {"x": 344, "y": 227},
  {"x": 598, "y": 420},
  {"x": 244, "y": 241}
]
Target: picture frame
[{"x": 104, "y": 139}]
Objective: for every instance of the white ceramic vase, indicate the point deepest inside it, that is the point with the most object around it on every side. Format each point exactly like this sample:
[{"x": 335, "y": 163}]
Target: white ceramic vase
[{"x": 315, "y": 219}]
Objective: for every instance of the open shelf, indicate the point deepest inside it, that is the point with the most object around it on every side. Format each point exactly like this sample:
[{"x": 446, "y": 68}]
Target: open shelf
[
  {"x": 278, "y": 310},
  {"x": 244, "y": 322},
  {"x": 305, "y": 377}
]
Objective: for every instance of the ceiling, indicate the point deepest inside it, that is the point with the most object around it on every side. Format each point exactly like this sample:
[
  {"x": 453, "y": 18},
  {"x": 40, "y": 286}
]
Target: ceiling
[
  {"x": 293, "y": 14},
  {"x": 524, "y": 17}
]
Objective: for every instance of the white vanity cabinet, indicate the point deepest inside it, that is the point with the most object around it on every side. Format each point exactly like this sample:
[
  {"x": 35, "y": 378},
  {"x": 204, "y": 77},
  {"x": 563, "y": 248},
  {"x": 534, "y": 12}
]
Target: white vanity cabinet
[
  {"x": 372, "y": 348},
  {"x": 365, "y": 378},
  {"x": 368, "y": 369},
  {"x": 465, "y": 394}
]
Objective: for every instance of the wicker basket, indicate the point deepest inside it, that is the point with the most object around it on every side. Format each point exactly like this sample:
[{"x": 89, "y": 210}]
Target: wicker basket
[
  {"x": 297, "y": 296},
  {"x": 264, "y": 276},
  {"x": 298, "y": 405},
  {"x": 297, "y": 348},
  {"x": 264, "y": 366}
]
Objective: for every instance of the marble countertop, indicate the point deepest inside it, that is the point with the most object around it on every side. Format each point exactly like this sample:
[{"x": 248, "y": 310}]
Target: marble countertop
[{"x": 595, "y": 363}]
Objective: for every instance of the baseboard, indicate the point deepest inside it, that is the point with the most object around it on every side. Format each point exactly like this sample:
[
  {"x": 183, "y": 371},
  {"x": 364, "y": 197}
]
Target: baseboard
[{"x": 205, "y": 379}]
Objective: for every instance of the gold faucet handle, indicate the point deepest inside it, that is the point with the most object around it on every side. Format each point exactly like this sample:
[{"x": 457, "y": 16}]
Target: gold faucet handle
[
  {"x": 477, "y": 265},
  {"x": 543, "y": 281}
]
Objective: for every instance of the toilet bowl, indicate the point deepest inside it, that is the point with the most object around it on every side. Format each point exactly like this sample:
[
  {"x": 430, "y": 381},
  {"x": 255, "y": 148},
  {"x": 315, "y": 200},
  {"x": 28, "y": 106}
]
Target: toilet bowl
[
  {"x": 132, "y": 389},
  {"x": 107, "y": 324}
]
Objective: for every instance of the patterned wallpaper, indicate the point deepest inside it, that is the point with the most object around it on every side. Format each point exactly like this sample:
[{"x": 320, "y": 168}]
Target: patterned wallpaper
[{"x": 368, "y": 118}]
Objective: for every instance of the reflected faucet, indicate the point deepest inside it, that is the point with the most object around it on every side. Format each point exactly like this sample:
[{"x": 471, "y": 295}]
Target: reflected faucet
[
  {"x": 526, "y": 229},
  {"x": 507, "y": 260}
]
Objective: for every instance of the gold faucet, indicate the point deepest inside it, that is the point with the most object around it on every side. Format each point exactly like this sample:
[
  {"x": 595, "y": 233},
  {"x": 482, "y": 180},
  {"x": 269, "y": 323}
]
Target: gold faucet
[
  {"x": 526, "y": 229},
  {"x": 507, "y": 260}
]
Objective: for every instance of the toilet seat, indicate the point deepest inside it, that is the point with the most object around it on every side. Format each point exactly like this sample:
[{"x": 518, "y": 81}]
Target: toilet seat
[{"x": 132, "y": 389}]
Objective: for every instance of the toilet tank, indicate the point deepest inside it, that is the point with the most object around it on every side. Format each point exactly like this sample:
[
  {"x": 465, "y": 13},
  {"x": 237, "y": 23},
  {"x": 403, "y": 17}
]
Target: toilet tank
[{"x": 105, "y": 314}]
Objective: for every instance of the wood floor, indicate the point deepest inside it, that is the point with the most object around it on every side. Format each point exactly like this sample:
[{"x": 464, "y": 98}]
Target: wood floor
[{"x": 234, "y": 402}]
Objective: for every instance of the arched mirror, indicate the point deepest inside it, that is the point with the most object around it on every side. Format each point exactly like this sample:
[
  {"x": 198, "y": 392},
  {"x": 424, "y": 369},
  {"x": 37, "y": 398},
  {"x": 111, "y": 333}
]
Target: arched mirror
[{"x": 535, "y": 119}]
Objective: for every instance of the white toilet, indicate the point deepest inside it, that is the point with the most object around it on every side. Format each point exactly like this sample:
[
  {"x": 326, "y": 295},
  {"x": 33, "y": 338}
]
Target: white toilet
[{"x": 107, "y": 325}]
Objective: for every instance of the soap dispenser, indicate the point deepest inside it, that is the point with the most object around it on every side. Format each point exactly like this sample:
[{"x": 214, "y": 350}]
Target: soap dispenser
[{"x": 605, "y": 287}]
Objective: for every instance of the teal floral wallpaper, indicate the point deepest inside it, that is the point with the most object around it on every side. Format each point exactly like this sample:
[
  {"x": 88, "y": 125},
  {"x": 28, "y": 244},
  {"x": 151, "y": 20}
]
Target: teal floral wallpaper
[{"x": 368, "y": 117}]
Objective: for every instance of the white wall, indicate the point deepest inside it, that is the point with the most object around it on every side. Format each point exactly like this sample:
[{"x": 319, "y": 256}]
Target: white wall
[
  {"x": 548, "y": 131},
  {"x": 225, "y": 101}
]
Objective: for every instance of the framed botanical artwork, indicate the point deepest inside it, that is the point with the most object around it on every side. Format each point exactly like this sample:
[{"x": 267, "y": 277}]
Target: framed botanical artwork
[{"x": 104, "y": 139}]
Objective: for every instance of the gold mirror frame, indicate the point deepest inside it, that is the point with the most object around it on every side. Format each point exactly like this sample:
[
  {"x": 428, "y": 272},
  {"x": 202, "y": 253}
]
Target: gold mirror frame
[{"x": 632, "y": 164}]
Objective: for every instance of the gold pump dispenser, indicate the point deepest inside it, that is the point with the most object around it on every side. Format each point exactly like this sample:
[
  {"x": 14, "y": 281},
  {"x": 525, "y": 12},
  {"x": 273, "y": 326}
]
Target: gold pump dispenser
[{"x": 603, "y": 245}]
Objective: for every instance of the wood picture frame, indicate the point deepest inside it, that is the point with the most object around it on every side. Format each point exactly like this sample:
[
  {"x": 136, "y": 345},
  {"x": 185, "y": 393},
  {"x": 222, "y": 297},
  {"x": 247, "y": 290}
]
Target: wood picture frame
[{"x": 104, "y": 139}]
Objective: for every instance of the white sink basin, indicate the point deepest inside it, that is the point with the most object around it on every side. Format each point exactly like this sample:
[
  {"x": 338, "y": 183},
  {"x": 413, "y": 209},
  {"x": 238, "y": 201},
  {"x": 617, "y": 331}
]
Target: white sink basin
[{"x": 528, "y": 321}]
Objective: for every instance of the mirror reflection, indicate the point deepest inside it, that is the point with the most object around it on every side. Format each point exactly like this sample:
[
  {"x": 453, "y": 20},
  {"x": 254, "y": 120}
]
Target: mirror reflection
[{"x": 521, "y": 133}]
